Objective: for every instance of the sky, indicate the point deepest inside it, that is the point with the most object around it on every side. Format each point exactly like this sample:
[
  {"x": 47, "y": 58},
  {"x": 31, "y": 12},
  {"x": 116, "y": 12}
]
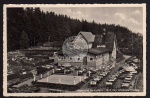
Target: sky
[{"x": 130, "y": 17}]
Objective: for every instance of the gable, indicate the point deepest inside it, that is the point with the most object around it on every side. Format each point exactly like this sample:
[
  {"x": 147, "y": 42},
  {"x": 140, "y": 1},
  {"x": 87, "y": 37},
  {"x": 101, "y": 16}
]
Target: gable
[
  {"x": 96, "y": 41},
  {"x": 89, "y": 37},
  {"x": 78, "y": 42}
]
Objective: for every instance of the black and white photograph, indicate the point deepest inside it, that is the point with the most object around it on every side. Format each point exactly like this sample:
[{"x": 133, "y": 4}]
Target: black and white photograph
[{"x": 74, "y": 50}]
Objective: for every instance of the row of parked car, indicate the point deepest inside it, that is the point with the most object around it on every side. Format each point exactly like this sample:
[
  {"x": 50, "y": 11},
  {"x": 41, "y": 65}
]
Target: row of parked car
[
  {"x": 80, "y": 71},
  {"x": 133, "y": 62},
  {"x": 63, "y": 71},
  {"x": 48, "y": 66},
  {"x": 128, "y": 79},
  {"x": 127, "y": 82},
  {"x": 96, "y": 80},
  {"x": 113, "y": 78}
]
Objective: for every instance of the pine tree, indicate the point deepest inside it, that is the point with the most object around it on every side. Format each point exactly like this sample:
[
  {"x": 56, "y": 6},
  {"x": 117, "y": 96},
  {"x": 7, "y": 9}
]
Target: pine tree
[{"x": 24, "y": 41}]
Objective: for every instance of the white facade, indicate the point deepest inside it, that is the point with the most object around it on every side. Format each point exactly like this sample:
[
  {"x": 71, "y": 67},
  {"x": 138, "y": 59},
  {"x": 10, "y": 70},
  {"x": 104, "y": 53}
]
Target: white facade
[
  {"x": 106, "y": 57},
  {"x": 114, "y": 52},
  {"x": 102, "y": 59},
  {"x": 78, "y": 40},
  {"x": 90, "y": 45},
  {"x": 92, "y": 60},
  {"x": 70, "y": 59}
]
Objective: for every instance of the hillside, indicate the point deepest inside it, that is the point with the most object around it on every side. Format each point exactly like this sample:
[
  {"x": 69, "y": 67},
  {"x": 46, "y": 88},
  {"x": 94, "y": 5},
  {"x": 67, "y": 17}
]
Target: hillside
[{"x": 32, "y": 27}]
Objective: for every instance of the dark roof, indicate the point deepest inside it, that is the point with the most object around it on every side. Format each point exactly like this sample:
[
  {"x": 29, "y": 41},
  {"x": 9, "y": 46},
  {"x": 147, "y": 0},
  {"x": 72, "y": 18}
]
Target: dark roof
[
  {"x": 60, "y": 53},
  {"x": 109, "y": 41},
  {"x": 88, "y": 36},
  {"x": 98, "y": 41},
  {"x": 97, "y": 51}
]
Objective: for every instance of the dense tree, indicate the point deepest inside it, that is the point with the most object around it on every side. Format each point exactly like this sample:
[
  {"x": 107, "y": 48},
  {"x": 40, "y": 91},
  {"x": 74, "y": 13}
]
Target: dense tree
[
  {"x": 15, "y": 24},
  {"x": 24, "y": 41}
]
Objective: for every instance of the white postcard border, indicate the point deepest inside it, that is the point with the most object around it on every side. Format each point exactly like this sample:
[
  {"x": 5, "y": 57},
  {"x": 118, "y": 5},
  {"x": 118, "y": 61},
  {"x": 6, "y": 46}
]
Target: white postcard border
[{"x": 143, "y": 5}]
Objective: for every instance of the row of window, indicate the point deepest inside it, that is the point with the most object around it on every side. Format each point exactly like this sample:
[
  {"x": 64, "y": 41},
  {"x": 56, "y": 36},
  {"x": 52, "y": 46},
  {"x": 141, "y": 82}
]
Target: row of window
[
  {"x": 77, "y": 59},
  {"x": 80, "y": 59},
  {"x": 63, "y": 58},
  {"x": 68, "y": 58}
]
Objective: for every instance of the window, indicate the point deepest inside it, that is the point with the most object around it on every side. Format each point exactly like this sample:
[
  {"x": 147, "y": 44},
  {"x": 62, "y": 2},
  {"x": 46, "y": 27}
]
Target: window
[
  {"x": 70, "y": 58},
  {"x": 91, "y": 58}
]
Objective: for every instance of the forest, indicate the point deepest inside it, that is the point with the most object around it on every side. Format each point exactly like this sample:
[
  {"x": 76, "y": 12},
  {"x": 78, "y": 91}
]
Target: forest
[{"x": 29, "y": 27}]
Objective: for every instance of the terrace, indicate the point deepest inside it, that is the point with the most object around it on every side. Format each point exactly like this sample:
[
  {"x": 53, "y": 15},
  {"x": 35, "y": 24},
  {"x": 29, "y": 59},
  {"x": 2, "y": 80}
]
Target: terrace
[{"x": 62, "y": 79}]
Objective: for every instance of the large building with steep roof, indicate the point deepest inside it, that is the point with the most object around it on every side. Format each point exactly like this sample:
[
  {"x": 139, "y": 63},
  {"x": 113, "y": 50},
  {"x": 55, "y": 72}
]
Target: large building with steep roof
[{"x": 101, "y": 52}]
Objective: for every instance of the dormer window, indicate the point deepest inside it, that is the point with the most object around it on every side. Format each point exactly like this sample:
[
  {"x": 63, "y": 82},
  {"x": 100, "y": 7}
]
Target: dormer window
[
  {"x": 91, "y": 59},
  {"x": 101, "y": 46}
]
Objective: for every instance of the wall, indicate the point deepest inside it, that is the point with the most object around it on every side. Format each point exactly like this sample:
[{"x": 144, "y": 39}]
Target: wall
[
  {"x": 72, "y": 63},
  {"x": 89, "y": 45},
  {"x": 102, "y": 59},
  {"x": 91, "y": 61},
  {"x": 106, "y": 57},
  {"x": 99, "y": 61},
  {"x": 70, "y": 59},
  {"x": 114, "y": 51}
]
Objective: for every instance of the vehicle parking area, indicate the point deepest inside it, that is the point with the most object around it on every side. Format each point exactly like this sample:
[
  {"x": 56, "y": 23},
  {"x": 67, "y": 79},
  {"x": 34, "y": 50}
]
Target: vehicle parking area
[
  {"x": 122, "y": 77},
  {"x": 116, "y": 79},
  {"x": 113, "y": 79}
]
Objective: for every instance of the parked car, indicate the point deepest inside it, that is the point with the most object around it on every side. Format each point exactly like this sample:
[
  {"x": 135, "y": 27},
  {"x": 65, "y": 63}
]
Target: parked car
[
  {"x": 72, "y": 69},
  {"x": 80, "y": 72},
  {"x": 128, "y": 78},
  {"x": 77, "y": 68},
  {"x": 84, "y": 70},
  {"x": 97, "y": 79},
  {"x": 125, "y": 85},
  {"x": 93, "y": 83},
  {"x": 93, "y": 71},
  {"x": 116, "y": 75},
  {"x": 100, "y": 77},
  {"x": 127, "y": 81},
  {"x": 59, "y": 70},
  {"x": 62, "y": 68},
  {"x": 112, "y": 79},
  {"x": 131, "y": 74},
  {"x": 121, "y": 71},
  {"x": 134, "y": 72},
  {"x": 103, "y": 74},
  {"x": 59, "y": 65},
  {"x": 49, "y": 66},
  {"x": 136, "y": 60},
  {"x": 67, "y": 71},
  {"x": 109, "y": 84}
]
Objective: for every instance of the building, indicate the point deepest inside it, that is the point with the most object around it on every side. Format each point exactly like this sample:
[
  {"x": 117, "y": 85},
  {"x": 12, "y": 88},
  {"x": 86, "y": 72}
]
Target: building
[{"x": 101, "y": 52}]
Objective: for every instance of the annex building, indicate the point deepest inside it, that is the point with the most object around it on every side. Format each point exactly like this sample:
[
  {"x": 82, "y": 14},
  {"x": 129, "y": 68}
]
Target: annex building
[{"x": 102, "y": 51}]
